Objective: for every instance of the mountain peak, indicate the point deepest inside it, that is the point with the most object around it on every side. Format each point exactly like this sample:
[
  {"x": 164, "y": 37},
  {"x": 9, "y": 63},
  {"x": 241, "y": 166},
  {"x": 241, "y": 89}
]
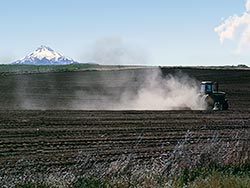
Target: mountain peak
[
  {"x": 45, "y": 52},
  {"x": 44, "y": 55},
  {"x": 43, "y": 47}
]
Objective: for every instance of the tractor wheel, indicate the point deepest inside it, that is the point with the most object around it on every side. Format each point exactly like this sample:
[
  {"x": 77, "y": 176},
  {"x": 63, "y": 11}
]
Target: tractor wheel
[
  {"x": 217, "y": 106},
  {"x": 225, "y": 106},
  {"x": 208, "y": 100}
]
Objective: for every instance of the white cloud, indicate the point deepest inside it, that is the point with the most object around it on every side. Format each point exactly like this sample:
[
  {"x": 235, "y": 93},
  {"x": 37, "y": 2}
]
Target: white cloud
[
  {"x": 236, "y": 28},
  {"x": 248, "y": 5}
]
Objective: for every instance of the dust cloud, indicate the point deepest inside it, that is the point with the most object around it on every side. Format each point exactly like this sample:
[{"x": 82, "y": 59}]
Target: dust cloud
[
  {"x": 114, "y": 51},
  {"x": 152, "y": 92},
  {"x": 173, "y": 92},
  {"x": 139, "y": 89}
]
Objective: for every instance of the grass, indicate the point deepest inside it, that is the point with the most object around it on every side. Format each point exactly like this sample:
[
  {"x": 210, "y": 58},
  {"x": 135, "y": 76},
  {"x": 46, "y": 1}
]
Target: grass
[
  {"x": 90, "y": 183},
  {"x": 27, "y": 69},
  {"x": 31, "y": 185},
  {"x": 213, "y": 177},
  {"x": 222, "y": 181},
  {"x": 216, "y": 177},
  {"x": 210, "y": 164},
  {"x": 236, "y": 176},
  {"x": 19, "y": 69}
]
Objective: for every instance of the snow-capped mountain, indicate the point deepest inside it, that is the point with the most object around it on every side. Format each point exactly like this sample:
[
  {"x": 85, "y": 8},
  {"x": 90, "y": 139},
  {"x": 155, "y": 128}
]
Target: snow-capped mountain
[{"x": 45, "y": 56}]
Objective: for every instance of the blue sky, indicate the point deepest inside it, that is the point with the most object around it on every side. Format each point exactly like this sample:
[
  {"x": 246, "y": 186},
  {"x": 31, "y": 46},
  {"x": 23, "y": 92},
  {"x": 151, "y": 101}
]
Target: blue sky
[{"x": 156, "y": 32}]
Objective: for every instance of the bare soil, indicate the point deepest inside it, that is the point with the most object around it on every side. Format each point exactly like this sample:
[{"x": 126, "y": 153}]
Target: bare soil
[{"x": 51, "y": 138}]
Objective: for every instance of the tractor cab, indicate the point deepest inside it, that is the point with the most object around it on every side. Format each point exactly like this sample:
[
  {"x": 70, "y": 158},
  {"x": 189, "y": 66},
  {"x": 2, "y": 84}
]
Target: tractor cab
[{"x": 208, "y": 87}]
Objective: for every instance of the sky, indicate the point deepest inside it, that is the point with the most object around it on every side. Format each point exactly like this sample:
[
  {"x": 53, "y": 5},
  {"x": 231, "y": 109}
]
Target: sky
[{"x": 152, "y": 32}]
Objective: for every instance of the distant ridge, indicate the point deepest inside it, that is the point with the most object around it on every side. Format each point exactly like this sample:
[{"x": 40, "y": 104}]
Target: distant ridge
[{"x": 44, "y": 55}]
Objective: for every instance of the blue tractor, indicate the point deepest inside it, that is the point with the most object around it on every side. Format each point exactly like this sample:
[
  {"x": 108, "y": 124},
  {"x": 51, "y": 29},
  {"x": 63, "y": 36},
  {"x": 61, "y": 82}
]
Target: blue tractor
[{"x": 215, "y": 99}]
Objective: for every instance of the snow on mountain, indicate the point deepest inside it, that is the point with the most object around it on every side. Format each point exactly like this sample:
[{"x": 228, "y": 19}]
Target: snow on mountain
[{"x": 45, "y": 56}]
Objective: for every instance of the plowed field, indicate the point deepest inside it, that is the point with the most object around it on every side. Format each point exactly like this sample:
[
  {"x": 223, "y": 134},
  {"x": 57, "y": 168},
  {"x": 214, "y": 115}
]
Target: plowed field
[{"x": 56, "y": 137}]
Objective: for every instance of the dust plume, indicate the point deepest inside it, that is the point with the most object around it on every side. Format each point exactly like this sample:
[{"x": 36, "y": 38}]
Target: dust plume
[
  {"x": 114, "y": 51},
  {"x": 145, "y": 90},
  {"x": 138, "y": 89},
  {"x": 173, "y": 92}
]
